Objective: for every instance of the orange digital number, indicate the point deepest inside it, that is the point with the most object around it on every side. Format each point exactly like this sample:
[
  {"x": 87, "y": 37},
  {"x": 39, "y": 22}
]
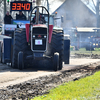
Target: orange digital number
[
  {"x": 23, "y": 6},
  {"x": 14, "y": 6},
  {"x": 18, "y": 6},
  {"x": 28, "y": 6}
]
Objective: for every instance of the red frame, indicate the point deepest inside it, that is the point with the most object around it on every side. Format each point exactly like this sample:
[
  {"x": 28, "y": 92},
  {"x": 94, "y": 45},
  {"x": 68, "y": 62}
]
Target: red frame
[{"x": 50, "y": 31}]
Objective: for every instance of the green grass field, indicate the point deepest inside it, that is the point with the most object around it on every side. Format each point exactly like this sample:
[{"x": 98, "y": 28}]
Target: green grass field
[
  {"x": 83, "y": 51},
  {"x": 84, "y": 89}
]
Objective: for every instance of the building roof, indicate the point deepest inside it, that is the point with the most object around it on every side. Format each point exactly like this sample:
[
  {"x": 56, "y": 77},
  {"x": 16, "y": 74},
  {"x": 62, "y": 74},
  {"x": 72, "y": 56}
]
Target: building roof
[
  {"x": 55, "y": 4},
  {"x": 89, "y": 5}
]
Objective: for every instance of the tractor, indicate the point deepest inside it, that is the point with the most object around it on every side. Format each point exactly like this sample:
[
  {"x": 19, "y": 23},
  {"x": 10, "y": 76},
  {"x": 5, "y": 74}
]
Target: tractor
[{"x": 25, "y": 43}]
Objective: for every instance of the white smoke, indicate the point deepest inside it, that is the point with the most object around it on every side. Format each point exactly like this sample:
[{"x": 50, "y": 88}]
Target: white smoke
[{"x": 38, "y": 2}]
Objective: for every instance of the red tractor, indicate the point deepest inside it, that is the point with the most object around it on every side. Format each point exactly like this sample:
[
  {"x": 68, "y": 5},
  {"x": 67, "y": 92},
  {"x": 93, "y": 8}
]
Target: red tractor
[{"x": 34, "y": 42}]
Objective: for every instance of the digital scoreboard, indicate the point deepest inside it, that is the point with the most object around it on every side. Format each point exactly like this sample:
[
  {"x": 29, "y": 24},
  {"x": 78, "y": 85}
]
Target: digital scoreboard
[{"x": 20, "y": 6}]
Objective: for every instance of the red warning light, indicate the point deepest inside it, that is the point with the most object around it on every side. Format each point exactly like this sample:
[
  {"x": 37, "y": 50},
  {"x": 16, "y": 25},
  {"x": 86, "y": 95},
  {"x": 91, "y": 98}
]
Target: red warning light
[{"x": 39, "y": 36}]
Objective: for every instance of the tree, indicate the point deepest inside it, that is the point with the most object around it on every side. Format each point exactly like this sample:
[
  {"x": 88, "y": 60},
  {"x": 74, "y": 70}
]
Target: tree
[{"x": 96, "y": 5}]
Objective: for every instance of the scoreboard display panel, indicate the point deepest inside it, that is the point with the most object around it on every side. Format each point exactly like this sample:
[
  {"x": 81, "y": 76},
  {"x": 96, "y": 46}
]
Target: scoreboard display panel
[{"x": 20, "y": 6}]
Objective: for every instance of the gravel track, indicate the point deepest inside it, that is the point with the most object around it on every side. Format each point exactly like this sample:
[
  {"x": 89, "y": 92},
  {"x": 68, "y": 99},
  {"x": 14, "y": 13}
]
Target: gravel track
[
  {"x": 42, "y": 85},
  {"x": 92, "y": 56}
]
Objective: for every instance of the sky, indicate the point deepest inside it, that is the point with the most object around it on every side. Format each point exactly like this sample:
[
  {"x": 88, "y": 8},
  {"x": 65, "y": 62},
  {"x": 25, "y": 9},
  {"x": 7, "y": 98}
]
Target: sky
[{"x": 54, "y": 4}]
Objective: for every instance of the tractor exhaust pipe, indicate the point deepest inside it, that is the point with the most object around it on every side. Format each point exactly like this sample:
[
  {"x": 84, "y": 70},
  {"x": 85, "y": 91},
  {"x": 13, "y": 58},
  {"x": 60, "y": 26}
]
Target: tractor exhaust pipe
[{"x": 37, "y": 16}]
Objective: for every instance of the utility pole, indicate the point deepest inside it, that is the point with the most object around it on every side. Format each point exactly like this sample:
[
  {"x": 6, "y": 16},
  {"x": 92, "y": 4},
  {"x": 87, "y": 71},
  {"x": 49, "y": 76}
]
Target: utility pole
[
  {"x": 47, "y": 5},
  {"x": 4, "y": 7}
]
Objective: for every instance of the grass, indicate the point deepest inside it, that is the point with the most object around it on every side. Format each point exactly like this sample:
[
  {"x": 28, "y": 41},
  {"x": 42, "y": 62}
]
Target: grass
[
  {"x": 83, "y": 51},
  {"x": 84, "y": 89}
]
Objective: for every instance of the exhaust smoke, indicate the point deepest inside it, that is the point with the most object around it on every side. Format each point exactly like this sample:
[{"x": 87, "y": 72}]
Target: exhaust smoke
[{"x": 38, "y": 2}]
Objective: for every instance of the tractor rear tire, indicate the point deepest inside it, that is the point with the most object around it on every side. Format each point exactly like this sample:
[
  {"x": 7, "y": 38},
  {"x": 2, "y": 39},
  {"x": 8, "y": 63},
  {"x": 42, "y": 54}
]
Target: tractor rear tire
[
  {"x": 66, "y": 51},
  {"x": 20, "y": 44},
  {"x": 55, "y": 62},
  {"x": 57, "y": 44}
]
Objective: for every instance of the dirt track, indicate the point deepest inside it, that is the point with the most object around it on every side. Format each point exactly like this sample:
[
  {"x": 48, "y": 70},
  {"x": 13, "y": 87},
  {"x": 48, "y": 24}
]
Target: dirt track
[
  {"x": 9, "y": 76},
  {"x": 39, "y": 80}
]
